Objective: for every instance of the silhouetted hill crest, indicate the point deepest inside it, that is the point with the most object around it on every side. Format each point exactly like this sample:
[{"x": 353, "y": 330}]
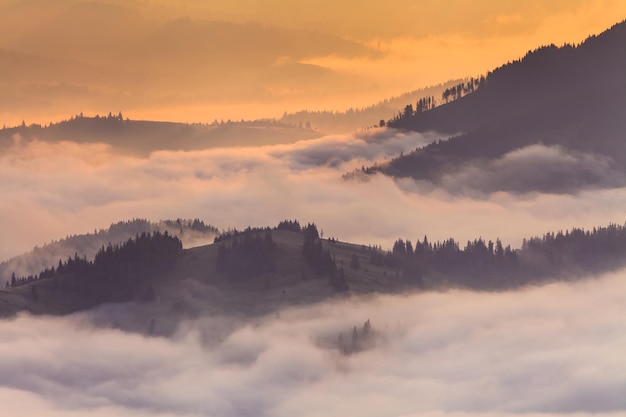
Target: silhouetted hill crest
[
  {"x": 140, "y": 137},
  {"x": 548, "y": 73}
]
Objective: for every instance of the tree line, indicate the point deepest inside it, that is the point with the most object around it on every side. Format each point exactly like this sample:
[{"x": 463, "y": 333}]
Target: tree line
[
  {"x": 484, "y": 264},
  {"x": 120, "y": 272},
  {"x": 424, "y": 104}
]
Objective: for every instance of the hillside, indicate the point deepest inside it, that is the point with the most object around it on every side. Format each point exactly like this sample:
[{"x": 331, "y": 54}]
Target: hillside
[
  {"x": 351, "y": 119},
  {"x": 191, "y": 232},
  {"x": 194, "y": 276},
  {"x": 257, "y": 271},
  {"x": 139, "y": 138},
  {"x": 570, "y": 99}
]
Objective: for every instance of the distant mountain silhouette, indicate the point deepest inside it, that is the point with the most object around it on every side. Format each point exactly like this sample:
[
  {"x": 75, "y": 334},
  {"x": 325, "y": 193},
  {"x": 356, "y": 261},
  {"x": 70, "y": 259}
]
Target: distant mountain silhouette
[
  {"x": 67, "y": 58},
  {"x": 139, "y": 137},
  {"x": 571, "y": 100},
  {"x": 351, "y": 119}
]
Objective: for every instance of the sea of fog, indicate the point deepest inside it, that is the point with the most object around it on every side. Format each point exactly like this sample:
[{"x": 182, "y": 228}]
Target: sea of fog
[
  {"x": 551, "y": 351},
  {"x": 51, "y": 190}
]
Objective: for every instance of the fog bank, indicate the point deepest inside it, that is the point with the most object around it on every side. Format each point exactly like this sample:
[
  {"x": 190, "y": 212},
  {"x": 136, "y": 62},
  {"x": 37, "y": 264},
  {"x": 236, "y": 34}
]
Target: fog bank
[
  {"x": 543, "y": 352},
  {"x": 52, "y": 190}
]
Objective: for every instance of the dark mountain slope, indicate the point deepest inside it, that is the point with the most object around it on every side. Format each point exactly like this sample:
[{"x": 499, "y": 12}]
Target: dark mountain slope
[
  {"x": 548, "y": 75},
  {"x": 571, "y": 98}
]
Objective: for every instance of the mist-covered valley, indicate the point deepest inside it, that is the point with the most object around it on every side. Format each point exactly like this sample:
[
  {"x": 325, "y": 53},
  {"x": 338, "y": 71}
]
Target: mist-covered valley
[
  {"x": 541, "y": 351},
  {"x": 544, "y": 351},
  {"x": 266, "y": 268},
  {"x": 53, "y": 190}
]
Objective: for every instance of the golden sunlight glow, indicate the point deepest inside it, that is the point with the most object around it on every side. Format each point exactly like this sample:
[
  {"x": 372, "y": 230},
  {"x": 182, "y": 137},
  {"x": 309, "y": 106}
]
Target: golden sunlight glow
[{"x": 204, "y": 60}]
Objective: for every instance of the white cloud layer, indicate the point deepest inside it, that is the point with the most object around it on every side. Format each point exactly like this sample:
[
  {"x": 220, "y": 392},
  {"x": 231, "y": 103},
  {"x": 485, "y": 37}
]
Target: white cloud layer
[
  {"x": 539, "y": 352},
  {"x": 537, "y": 167},
  {"x": 51, "y": 190}
]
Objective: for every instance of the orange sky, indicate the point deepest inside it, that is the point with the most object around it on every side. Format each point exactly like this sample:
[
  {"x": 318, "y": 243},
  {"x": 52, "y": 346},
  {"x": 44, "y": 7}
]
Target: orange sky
[{"x": 204, "y": 60}]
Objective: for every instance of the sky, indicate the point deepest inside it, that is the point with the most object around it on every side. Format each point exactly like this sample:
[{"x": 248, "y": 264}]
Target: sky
[{"x": 198, "y": 61}]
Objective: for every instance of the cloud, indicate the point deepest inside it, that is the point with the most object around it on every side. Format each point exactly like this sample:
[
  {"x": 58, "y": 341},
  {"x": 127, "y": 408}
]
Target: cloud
[
  {"x": 536, "y": 168},
  {"x": 536, "y": 352},
  {"x": 52, "y": 190},
  {"x": 336, "y": 151}
]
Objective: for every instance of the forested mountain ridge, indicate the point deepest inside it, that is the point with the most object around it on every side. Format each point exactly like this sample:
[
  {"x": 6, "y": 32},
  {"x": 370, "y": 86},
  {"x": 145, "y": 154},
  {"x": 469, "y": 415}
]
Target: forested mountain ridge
[
  {"x": 544, "y": 77},
  {"x": 259, "y": 269},
  {"x": 572, "y": 98},
  {"x": 351, "y": 119}
]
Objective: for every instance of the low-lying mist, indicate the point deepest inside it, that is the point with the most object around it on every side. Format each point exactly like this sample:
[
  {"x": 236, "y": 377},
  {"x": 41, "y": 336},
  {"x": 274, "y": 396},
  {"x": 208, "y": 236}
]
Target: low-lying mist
[
  {"x": 555, "y": 350},
  {"x": 52, "y": 190}
]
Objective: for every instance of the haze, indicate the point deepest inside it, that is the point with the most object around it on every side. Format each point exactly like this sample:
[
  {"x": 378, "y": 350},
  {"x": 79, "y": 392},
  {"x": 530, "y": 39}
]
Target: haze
[
  {"x": 197, "y": 61},
  {"x": 555, "y": 350},
  {"x": 54, "y": 189}
]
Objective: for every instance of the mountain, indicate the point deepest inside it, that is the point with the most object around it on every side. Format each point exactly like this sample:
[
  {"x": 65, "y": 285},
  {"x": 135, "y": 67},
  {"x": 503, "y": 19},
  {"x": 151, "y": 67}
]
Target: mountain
[
  {"x": 139, "y": 138},
  {"x": 256, "y": 271},
  {"x": 555, "y": 104},
  {"x": 351, "y": 119}
]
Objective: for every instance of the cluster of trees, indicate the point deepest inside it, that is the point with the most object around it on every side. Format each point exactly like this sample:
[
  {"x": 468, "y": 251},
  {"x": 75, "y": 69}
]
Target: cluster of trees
[
  {"x": 290, "y": 225},
  {"x": 128, "y": 270},
  {"x": 242, "y": 255},
  {"x": 479, "y": 264},
  {"x": 118, "y": 272},
  {"x": 196, "y": 225},
  {"x": 80, "y": 116},
  {"x": 575, "y": 251},
  {"x": 320, "y": 260},
  {"x": 491, "y": 265},
  {"x": 461, "y": 89},
  {"x": 424, "y": 104},
  {"x": 359, "y": 341},
  {"x": 18, "y": 282}
]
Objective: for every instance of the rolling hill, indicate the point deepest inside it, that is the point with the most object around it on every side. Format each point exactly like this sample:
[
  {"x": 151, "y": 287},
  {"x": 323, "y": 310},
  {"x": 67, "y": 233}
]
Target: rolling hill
[{"x": 258, "y": 271}]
